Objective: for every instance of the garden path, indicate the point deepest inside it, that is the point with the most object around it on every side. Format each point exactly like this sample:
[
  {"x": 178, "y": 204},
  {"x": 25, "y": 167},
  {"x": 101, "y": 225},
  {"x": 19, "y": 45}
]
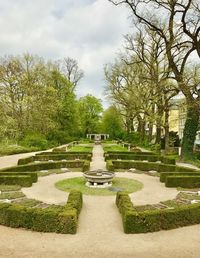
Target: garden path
[{"x": 100, "y": 232}]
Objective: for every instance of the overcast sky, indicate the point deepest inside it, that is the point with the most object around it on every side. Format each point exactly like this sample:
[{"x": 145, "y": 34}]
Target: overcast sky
[{"x": 90, "y": 31}]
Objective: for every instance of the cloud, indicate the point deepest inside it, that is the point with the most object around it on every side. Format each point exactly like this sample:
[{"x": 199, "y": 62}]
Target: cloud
[{"x": 89, "y": 31}]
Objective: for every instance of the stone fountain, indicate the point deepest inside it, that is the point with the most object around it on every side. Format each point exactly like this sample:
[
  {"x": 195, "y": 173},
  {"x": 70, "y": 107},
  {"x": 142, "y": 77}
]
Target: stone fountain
[{"x": 99, "y": 178}]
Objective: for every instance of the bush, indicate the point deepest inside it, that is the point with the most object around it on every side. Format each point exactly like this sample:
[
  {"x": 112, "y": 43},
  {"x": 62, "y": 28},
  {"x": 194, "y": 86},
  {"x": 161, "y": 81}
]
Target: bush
[
  {"x": 109, "y": 165},
  {"x": 155, "y": 220},
  {"x": 25, "y": 181},
  {"x": 15, "y": 149},
  {"x": 150, "y": 158},
  {"x": 52, "y": 219},
  {"x": 33, "y": 175},
  {"x": 45, "y": 165},
  {"x": 86, "y": 166},
  {"x": 164, "y": 175},
  {"x": 55, "y": 157},
  {"x": 35, "y": 140},
  {"x": 146, "y": 166},
  {"x": 183, "y": 181}
]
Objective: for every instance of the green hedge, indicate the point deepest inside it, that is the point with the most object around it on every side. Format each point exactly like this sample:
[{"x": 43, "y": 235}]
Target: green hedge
[
  {"x": 64, "y": 153},
  {"x": 130, "y": 153},
  {"x": 183, "y": 181},
  {"x": 155, "y": 220},
  {"x": 53, "y": 219},
  {"x": 146, "y": 166},
  {"x": 109, "y": 165},
  {"x": 164, "y": 175},
  {"x": 150, "y": 158},
  {"x": 86, "y": 166},
  {"x": 55, "y": 157},
  {"x": 25, "y": 181},
  {"x": 34, "y": 176},
  {"x": 46, "y": 165}
]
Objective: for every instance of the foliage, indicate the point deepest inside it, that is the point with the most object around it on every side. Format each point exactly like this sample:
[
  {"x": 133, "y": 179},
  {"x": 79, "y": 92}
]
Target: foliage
[
  {"x": 90, "y": 109},
  {"x": 52, "y": 219},
  {"x": 155, "y": 220},
  {"x": 112, "y": 123},
  {"x": 35, "y": 140},
  {"x": 38, "y": 98}
]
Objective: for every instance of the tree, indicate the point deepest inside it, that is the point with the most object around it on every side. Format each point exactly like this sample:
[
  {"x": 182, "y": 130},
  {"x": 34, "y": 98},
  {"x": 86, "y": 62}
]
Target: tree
[
  {"x": 71, "y": 71},
  {"x": 112, "y": 123},
  {"x": 90, "y": 109},
  {"x": 179, "y": 31}
]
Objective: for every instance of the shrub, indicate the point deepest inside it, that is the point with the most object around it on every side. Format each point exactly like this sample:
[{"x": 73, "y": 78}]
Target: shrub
[
  {"x": 164, "y": 175},
  {"x": 33, "y": 175},
  {"x": 183, "y": 181},
  {"x": 35, "y": 140},
  {"x": 55, "y": 157},
  {"x": 52, "y": 219},
  {"x": 25, "y": 181},
  {"x": 146, "y": 166},
  {"x": 109, "y": 165},
  {"x": 86, "y": 166},
  {"x": 155, "y": 220},
  {"x": 45, "y": 165},
  {"x": 150, "y": 158}
]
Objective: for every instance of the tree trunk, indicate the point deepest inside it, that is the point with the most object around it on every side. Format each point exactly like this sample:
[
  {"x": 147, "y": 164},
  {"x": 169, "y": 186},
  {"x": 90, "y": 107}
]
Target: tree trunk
[
  {"x": 150, "y": 132},
  {"x": 166, "y": 129},
  {"x": 190, "y": 130}
]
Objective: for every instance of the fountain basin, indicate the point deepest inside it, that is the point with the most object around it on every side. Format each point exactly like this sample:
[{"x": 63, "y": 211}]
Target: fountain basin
[{"x": 99, "y": 178}]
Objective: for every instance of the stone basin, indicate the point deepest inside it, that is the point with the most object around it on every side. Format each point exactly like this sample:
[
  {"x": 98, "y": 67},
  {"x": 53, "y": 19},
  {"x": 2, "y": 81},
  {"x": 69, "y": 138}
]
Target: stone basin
[{"x": 99, "y": 178}]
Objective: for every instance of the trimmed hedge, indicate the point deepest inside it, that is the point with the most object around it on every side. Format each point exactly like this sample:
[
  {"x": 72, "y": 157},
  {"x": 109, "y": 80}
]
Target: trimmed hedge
[
  {"x": 164, "y": 175},
  {"x": 130, "y": 152},
  {"x": 54, "y": 219},
  {"x": 86, "y": 166},
  {"x": 64, "y": 152},
  {"x": 55, "y": 157},
  {"x": 146, "y": 166},
  {"x": 21, "y": 180},
  {"x": 155, "y": 220},
  {"x": 150, "y": 158},
  {"x": 183, "y": 181},
  {"x": 109, "y": 165},
  {"x": 46, "y": 165},
  {"x": 33, "y": 175}
]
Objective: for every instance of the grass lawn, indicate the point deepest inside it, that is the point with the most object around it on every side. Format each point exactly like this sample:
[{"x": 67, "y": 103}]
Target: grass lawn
[
  {"x": 15, "y": 149},
  {"x": 81, "y": 149},
  {"x": 114, "y": 148},
  {"x": 78, "y": 183}
]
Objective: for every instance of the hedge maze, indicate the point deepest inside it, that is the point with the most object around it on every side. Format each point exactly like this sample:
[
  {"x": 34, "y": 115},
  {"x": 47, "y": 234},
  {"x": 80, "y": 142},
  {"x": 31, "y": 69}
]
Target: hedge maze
[
  {"x": 150, "y": 218},
  {"x": 32, "y": 214}
]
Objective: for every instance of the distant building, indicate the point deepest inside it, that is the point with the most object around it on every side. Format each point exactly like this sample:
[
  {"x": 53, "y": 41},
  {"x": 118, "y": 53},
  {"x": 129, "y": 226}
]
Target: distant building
[
  {"x": 97, "y": 137},
  {"x": 177, "y": 118}
]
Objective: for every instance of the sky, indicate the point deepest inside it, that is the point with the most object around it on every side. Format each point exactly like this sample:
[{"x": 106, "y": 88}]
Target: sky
[{"x": 90, "y": 31}]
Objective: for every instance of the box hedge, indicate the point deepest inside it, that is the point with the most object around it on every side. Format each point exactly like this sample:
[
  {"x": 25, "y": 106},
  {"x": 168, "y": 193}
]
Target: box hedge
[
  {"x": 183, "y": 181},
  {"x": 130, "y": 152},
  {"x": 46, "y": 165},
  {"x": 52, "y": 219},
  {"x": 150, "y": 158},
  {"x": 57, "y": 157},
  {"x": 146, "y": 166},
  {"x": 164, "y": 175},
  {"x": 33, "y": 175},
  {"x": 155, "y": 220},
  {"x": 22, "y": 180}
]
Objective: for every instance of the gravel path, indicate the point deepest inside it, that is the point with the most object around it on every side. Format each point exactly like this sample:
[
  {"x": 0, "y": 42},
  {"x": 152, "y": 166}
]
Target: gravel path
[{"x": 100, "y": 232}]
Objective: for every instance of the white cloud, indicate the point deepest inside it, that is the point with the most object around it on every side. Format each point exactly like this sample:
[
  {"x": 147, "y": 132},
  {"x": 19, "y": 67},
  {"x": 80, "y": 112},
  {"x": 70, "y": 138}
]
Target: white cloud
[{"x": 89, "y": 31}]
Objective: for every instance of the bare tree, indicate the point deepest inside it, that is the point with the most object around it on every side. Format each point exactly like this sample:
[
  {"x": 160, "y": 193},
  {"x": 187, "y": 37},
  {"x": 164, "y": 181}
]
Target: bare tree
[
  {"x": 180, "y": 31},
  {"x": 72, "y": 71}
]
